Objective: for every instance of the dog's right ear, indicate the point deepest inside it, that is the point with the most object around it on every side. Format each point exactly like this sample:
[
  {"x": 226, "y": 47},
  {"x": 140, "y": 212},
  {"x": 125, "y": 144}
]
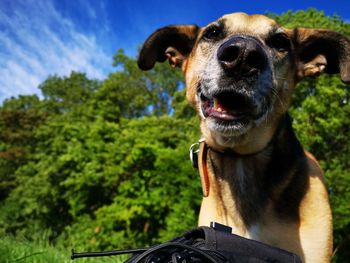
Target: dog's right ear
[
  {"x": 172, "y": 42},
  {"x": 321, "y": 50}
]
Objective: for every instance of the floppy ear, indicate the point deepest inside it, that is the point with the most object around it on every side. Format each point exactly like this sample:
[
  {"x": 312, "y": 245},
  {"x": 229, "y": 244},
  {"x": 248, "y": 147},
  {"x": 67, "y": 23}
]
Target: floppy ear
[
  {"x": 172, "y": 42},
  {"x": 320, "y": 50}
]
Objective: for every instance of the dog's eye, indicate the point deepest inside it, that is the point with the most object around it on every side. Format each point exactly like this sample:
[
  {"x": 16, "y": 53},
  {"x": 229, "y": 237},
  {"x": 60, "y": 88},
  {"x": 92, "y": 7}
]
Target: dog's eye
[
  {"x": 212, "y": 33},
  {"x": 280, "y": 42}
]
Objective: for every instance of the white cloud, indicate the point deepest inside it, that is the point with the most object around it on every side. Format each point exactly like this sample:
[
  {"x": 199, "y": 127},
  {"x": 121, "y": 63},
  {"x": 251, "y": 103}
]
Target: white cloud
[
  {"x": 37, "y": 41},
  {"x": 88, "y": 8}
]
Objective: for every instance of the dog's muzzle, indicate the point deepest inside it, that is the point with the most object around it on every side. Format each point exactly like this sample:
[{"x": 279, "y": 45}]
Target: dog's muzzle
[{"x": 236, "y": 100}]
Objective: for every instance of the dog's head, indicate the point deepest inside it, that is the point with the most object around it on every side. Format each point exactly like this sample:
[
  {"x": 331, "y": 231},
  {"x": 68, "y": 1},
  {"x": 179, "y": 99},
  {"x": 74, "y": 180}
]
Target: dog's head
[{"x": 241, "y": 70}]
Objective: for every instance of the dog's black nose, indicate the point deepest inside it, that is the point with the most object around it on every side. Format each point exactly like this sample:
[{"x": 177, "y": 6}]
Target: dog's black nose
[{"x": 242, "y": 55}]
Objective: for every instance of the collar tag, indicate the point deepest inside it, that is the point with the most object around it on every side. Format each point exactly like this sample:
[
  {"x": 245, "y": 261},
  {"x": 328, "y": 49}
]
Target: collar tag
[
  {"x": 198, "y": 156},
  {"x": 194, "y": 151}
]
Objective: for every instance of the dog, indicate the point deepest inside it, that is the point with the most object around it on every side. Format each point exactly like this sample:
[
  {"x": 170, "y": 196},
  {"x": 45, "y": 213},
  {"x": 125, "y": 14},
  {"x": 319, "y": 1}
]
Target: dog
[{"x": 240, "y": 72}]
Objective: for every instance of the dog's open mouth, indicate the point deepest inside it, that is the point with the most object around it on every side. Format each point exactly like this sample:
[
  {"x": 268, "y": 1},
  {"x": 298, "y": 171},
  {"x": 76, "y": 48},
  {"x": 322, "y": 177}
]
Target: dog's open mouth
[{"x": 226, "y": 106}]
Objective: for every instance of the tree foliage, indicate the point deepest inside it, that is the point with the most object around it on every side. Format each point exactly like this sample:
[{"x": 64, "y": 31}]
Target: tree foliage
[{"x": 103, "y": 164}]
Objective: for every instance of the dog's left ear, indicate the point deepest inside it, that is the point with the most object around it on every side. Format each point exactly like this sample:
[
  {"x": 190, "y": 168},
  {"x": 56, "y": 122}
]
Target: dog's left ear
[
  {"x": 320, "y": 50},
  {"x": 172, "y": 42}
]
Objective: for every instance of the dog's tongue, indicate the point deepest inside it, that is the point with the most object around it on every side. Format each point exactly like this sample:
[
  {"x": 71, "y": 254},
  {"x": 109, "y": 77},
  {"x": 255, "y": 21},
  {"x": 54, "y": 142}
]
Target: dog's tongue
[
  {"x": 220, "y": 105},
  {"x": 224, "y": 111}
]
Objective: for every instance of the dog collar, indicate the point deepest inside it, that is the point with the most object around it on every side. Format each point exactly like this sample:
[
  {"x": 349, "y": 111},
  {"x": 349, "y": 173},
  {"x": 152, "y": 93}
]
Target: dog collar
[{"x": 199, "y": 154}]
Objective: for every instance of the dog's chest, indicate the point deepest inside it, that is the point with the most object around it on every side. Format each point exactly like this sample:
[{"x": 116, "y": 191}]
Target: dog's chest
[{"x": 238, "y": 186}]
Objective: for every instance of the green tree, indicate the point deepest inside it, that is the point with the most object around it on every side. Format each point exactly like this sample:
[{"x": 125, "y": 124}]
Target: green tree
[
  {"x": 132, "y": 93},
  {"x": 18, "y": 119},
  {"x": 110, "y": 149},
  {"x": 64, "y": 93}
]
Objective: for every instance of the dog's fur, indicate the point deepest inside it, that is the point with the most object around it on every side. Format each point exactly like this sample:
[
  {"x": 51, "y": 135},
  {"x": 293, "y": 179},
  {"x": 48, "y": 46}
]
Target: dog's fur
[{"x": 262, "y": 183}]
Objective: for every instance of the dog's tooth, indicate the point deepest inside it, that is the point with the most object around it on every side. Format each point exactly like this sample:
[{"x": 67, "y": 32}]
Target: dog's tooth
[{"x": 216, "y": 104}]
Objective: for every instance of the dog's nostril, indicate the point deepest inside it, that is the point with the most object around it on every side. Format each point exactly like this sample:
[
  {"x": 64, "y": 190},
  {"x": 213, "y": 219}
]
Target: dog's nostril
[
  {"x": 242, "y": 56},
  {"x": 255, "y": 60},
  {"x": 229, "y": 54}
]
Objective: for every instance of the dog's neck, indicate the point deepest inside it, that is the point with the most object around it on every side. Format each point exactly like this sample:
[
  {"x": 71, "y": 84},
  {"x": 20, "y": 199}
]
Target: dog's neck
[{"x": 248, "y": 180}]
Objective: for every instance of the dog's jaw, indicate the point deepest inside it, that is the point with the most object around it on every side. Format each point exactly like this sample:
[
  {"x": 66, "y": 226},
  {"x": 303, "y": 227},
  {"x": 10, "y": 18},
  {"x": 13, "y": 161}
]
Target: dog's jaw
[{"x": 222, "y": 119}]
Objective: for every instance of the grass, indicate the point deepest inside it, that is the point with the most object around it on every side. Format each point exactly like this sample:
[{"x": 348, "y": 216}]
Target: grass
[{"x": 22, "y": 251}]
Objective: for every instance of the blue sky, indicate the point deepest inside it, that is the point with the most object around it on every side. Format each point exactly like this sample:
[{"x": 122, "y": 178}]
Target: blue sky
[{"x": 39, "y": 38}]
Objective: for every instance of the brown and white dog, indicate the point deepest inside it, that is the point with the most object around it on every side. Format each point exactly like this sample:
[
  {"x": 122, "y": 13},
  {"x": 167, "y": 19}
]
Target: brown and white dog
[{"x": 240, "y": 74}]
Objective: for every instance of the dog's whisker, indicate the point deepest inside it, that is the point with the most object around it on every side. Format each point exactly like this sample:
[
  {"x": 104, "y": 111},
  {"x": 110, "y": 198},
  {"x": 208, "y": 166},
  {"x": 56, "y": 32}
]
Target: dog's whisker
[{"x": 275, "y": 93}]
